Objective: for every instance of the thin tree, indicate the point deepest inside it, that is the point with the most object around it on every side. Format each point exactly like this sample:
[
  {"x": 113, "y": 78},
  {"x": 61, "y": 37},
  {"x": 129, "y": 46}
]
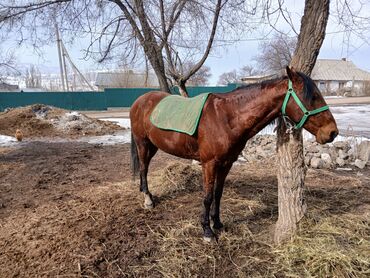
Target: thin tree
[
  {"x": 228, "y": 77},
  {"x": 7, "y": 63},
  {"x": 276, "y": 54},
  {"x": 33, "y": 77},
  {"x": 201, "y": 77}
]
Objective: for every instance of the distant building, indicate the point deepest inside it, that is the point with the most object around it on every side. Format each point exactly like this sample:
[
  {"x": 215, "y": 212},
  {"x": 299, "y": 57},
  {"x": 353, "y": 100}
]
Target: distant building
[
  {"x": 340, "y": 77},
  {"x": 5, "y": 87},
  {"x": 125, "y": 79},
  {"x": 332, "y": 77},
  {"x": 256, "y": 78}
]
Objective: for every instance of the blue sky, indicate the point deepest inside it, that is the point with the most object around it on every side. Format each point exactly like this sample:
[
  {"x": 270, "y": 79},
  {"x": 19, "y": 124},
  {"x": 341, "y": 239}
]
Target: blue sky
[{"x": 227, "y": 59}]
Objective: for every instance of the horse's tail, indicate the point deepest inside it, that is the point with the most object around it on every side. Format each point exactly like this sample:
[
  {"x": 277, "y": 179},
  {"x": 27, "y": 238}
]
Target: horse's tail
[{"x": 134, "y": 157}]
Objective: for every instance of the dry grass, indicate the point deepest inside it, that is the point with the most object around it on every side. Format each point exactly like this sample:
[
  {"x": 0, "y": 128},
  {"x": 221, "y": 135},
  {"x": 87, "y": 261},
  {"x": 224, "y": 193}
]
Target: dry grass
[
  {"x": 332, "y": 241},
  {"x": 334, "y": 246},
  {"x": 176, "y": 178},
  {"x": 102, "y": 230}
]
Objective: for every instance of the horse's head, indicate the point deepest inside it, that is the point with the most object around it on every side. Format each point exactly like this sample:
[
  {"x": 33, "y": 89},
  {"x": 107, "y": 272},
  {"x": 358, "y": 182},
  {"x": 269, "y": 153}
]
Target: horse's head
[{"x": 305, "y": 106}]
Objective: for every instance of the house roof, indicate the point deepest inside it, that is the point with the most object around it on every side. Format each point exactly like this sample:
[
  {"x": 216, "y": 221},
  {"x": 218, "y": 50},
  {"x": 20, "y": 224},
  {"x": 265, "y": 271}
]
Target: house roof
[
  {"x": 257, "y": 77},
  {"x": 341, "y": 70},
  {"x": 126, "y": 78},
  {"x": 8, "y": 87}
]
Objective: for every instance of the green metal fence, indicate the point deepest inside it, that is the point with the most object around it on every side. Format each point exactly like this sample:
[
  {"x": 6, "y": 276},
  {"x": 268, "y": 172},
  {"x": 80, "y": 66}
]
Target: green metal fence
[{"x": 117, "y": 97}]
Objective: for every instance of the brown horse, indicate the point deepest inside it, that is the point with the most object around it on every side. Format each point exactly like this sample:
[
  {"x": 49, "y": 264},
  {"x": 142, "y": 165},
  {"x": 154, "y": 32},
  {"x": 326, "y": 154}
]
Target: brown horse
[{"x": 228, "y": 121}]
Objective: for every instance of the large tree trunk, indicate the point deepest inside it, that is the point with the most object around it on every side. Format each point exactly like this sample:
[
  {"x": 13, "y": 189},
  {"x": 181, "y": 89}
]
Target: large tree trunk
[
  {"x": 158, "y": 67},
  {"x": 182, "y": 88},
  {"x": 291, "y": 168},
  {"x": 162, "y": 79}
]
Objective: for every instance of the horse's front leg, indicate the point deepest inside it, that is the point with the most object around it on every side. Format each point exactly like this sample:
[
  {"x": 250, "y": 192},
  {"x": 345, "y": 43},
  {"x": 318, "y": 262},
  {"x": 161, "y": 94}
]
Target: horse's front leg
[
  {"x": 220, "y": 181},
  {"x": 209, "y": 174}
]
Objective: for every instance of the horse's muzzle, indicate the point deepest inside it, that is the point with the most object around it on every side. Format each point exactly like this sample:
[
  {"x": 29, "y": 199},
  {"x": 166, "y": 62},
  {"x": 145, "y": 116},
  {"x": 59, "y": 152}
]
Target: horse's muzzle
[{"x": 327, "y": 133}]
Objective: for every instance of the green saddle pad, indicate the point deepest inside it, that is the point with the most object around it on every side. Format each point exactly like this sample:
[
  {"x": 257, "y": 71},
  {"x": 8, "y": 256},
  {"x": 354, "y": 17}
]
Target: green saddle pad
[{"x": 178, "y": 113}]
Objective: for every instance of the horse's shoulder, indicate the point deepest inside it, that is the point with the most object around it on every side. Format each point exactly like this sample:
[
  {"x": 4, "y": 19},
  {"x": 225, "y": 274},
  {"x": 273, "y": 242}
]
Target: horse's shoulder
[
  {"x": 151, "y": 96},
  {"x": 157, "y": 94},
  {"x": 215, "y": 100}
]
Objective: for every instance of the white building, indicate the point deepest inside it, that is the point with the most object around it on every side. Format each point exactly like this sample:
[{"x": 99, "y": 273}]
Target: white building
[
  {"x": 125, "y": 79},
  {"x": 332, "y": 77},
  {"x": 340, "y": 77}
]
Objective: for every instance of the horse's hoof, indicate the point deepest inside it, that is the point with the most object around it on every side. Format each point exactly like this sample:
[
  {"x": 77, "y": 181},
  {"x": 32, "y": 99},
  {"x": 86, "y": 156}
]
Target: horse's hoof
[
  {"x": 208, "y": 239},
  {"x": 208, "y": 235},
  {"x": 148, "y": 205},
  {"x": 218, "y": 226},
  {"x": 148, "y": 201}
]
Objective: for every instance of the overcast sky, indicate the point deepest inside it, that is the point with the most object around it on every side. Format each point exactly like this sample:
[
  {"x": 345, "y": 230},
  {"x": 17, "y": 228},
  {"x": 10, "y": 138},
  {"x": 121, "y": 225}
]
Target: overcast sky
[{"x": 336, "y": 46}]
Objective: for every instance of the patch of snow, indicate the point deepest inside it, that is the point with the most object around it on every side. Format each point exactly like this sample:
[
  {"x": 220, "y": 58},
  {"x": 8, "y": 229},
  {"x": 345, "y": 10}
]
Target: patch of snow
[
  {"x": 118, "y": 138},
  {"x": 327, "y": 97},
  {"x": 123, "y": 122},
  {"x": 73, "y": 113},
  {"x": 75, "y": 121},
  {"x": 352, "y": 121},
  {"x": 6, "y": 141}
]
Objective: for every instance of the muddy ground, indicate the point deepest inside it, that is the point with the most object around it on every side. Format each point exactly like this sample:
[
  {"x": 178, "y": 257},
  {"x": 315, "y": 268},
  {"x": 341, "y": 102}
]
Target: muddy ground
[{"x": 71, "y": 210}]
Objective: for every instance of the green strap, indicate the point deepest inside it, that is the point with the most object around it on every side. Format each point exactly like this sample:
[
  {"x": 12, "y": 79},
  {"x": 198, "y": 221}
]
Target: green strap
[{"x": 306, "y": 113}]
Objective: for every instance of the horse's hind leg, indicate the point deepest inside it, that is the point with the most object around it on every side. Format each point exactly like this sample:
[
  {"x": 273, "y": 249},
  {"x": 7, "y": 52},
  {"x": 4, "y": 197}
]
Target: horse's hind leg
[
  {"x": 146, "y": 150},
  {"x": 220, "y": 181},
  {"x": 209, "y": 174}
]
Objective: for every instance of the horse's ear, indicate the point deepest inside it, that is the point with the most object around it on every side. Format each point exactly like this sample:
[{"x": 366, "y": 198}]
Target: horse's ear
[{"x": 290, "y": 72}]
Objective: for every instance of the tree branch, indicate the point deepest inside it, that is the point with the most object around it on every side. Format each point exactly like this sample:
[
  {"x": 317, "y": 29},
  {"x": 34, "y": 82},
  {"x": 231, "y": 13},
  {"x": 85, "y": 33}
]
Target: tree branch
[{"x": 198, "y": 65}]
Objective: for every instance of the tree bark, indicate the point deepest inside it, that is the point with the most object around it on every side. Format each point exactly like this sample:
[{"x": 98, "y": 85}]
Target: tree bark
[
  {"x": 291, "y": 168},
  {"x": 182, "y": 88},
  {"x": 146, "y": 37}
]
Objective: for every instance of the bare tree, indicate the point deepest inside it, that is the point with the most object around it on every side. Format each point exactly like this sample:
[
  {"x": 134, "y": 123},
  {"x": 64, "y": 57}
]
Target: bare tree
[
  {"x": 201, "y": 77},
  {"x": 7, "y": 63},
  {"x": 235, "y": 76},
  {"x": 276, "y": 54},
  {"x": 33, "y": 77},
  {"x": 169, "y": 33},
  {"x": 248, "y": 70},
  {"x": 228, "y": 77}
]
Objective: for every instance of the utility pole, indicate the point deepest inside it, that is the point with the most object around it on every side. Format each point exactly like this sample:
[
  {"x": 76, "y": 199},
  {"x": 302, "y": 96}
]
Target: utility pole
[
  {"x": 73, "y": 66},
  {"x": 60, "y": 56},
  {"x": 63, "y": 54}
]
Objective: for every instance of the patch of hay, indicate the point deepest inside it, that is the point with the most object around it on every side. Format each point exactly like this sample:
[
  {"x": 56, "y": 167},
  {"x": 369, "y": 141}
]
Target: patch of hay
[
  {"x": 332, "y": 241},
  {"x": 175, "y": 178},
  {"x": 333, "y": 247},
  {"x": 336, "y": 246}
]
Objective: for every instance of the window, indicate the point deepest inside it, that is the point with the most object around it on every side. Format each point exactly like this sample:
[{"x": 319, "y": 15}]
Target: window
[{"x": 322, "y": 86}]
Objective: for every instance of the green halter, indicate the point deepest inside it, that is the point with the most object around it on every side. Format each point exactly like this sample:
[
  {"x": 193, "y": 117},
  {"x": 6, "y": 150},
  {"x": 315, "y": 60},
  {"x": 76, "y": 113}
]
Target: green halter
[{"x": 306, "y": 113}]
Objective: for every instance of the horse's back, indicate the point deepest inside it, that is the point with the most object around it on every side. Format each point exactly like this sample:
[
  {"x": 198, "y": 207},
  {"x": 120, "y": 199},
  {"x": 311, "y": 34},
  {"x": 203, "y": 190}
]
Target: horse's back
[
  {"x": 147, "y": 102},
  {"x": 172, "y": 142},
  {"x": 143, "y": 107}
]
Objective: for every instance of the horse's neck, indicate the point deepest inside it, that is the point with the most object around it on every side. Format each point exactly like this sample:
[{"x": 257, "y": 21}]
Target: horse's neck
[{"x": 254, "y": 110}]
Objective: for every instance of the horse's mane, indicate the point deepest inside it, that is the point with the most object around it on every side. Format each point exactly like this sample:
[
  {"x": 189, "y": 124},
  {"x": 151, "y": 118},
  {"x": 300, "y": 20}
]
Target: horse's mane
[
  {"x": 260, "y": 84},
  {"x": 308, "y": 86}
]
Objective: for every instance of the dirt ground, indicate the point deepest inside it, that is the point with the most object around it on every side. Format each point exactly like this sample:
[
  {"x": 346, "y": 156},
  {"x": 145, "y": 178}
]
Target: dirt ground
[{"x": 71, "y": 210}]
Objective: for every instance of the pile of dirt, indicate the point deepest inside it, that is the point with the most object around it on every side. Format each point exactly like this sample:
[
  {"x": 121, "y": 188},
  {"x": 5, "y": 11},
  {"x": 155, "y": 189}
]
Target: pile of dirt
[{"x": 40, "y": 120}]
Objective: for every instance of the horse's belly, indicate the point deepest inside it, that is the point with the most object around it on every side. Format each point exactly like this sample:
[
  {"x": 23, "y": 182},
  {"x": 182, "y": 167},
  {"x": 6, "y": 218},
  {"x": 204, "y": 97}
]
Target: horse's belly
[{"x": 175, "y": 143}]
